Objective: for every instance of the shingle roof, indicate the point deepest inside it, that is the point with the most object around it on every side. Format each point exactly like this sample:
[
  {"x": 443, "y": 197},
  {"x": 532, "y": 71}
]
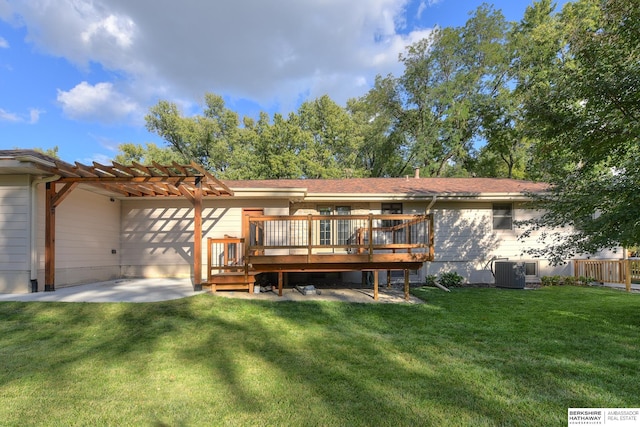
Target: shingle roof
[
  {"x": 382, "y": 186},
  {"x": 22, "y": 153},
  {"x": 416, "y": 186}
]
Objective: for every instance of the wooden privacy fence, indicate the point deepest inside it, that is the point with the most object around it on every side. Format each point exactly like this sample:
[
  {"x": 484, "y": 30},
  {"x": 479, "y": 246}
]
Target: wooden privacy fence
[{"x": 608, "y": 271}]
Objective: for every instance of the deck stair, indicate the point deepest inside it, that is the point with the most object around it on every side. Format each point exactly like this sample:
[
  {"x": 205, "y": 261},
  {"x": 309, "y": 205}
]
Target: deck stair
[
  {"x": 232, "y": 281},
  {"x": 226, "y": 270}
]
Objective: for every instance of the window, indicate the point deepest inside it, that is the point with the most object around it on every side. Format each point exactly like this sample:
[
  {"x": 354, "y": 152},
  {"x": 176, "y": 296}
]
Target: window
[
  {"x": 531, "y": 269},
  {"x": 325, "y": 226},
  {"x": 342, "y": 226},
  {"x": 344, "y": 232},
  {"x": 393, "y": 209},
  {"x": 502, "y": 216}
]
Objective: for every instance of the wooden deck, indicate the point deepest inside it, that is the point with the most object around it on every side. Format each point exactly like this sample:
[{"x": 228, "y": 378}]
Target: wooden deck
[{"x": 320, "y": 243}]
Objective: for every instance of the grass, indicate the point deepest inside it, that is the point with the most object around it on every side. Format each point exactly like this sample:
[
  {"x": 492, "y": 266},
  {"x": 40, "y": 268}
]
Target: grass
[{"x": 470, "y": 357}]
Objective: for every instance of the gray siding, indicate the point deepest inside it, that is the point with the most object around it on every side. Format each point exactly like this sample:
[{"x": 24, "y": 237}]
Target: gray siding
[{"x": 15, "y": 234}]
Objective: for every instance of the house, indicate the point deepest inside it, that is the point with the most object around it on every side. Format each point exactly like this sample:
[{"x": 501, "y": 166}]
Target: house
[{"x": 64, "y": 224}]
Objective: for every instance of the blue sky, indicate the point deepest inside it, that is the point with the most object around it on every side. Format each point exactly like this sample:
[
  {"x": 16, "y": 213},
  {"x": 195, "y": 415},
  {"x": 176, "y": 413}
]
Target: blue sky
[{"x": 81, "y": 74}]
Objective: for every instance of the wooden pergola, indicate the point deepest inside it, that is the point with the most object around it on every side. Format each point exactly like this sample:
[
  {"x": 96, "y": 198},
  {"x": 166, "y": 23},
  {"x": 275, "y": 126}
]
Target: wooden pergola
[{"x": 191, "y": 182}]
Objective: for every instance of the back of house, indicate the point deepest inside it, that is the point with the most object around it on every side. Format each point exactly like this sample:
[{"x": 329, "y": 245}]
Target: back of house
[{"x": 112, "y": 223}]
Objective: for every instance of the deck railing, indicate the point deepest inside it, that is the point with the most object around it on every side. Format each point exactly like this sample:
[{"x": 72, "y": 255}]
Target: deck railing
[
  {"x": 350, "y": 234},
  {"x": 225, "y": 255},
  {"x": 608, "y": 271}
]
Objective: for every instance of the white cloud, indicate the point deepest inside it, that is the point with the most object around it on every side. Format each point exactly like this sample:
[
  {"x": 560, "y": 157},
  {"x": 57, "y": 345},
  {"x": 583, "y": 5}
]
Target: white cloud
[
  {"x": 7, "y": 116},
  {"x": 112, "y": 29},
  {"x": 98, "y": 158},
  {"x": 267, "y": 51},
  {"x": 34, "y": 115},
  {"x": 421, "y": 9},
  {"x": 100, "y": 102},
  {"x": 33, "y": 118},
  {"x": 4, "y": 44}
]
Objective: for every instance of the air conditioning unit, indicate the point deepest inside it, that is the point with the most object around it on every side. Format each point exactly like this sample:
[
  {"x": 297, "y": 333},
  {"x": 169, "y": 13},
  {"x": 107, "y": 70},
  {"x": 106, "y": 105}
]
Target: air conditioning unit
[{"x": 510, "y": 274}]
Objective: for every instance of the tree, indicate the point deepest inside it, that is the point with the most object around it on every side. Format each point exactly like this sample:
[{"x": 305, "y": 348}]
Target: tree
[
  {"x": 335, "y": 141},
  {"x": 431, "y": 110},
  {"x": 147, "y": 154},
  {"x": 276, "y": 150},
  {"x": 206, "y": 139},
  {"x": 586, "y": 108},
  {"x": 382, "y": 151}
]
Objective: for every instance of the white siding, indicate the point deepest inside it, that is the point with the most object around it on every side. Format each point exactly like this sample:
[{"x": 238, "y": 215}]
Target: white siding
[
  {"x": 14, "y": 234},
  {"x": 466, "y": 242},
  {"x": 87, "y": 230},
  {"x": 157, "y": 235}
]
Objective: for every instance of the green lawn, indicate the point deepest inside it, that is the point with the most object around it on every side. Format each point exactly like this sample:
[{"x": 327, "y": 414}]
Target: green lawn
[{"x": 469, "y": 357}]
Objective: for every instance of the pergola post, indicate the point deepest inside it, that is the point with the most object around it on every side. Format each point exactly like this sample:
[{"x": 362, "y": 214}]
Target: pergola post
[
  {"x": 52, "y": 200},
  {"x": 197, "y": 236}
]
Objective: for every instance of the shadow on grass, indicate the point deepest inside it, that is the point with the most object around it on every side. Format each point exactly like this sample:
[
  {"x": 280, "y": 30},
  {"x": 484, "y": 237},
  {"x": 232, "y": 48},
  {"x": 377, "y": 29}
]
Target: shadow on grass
[{"x": 475, "y": 356}]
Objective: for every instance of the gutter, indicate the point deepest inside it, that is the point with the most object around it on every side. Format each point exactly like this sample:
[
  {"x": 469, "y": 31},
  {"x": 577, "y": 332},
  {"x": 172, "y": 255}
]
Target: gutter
[
  {"x": 368, "y": 197},
  {"x": 34, "y": 228}
]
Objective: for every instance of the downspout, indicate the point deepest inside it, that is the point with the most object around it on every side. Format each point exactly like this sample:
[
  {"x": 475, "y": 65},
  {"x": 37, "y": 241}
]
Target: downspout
[
  {"x": 34, "y": 228},
  {"x": 433, "y": 202},
  {"x": 429, "y": 206}
]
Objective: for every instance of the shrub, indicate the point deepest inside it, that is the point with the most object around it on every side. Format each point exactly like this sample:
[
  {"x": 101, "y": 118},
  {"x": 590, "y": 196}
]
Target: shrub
[
  {"x": 431, "y": 280},
  {"x": 450, "y": 279},
  {"x": 565, "y": 280}
]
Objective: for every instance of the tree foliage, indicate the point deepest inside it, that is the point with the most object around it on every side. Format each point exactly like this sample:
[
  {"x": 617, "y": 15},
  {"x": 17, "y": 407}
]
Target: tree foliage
[
  {"x": 429, "y": 117},
  {"x": 586, "y": 108},
  {"x": 446, "y": 76}
]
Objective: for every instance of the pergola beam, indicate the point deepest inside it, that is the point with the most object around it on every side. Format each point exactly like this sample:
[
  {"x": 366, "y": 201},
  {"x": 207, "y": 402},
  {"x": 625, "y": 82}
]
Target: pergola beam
[{"x": 192, "y": 182}]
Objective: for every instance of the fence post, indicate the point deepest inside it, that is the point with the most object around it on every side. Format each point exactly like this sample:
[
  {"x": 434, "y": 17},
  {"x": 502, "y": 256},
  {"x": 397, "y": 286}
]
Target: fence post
[{"x": 627, "y": 279}]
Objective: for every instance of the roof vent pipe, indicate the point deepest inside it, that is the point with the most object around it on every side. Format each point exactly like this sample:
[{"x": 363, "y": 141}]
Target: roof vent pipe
[{"x": 417, "y": 173}]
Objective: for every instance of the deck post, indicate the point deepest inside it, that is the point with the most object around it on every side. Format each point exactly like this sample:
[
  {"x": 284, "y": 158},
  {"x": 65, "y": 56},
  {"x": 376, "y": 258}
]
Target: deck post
[
  {"x": 431, "y": 239},
  {"x": 280, "y": 283},
  {"x": 370, "y": 237},
  {"x": 209, "y": 259},
  {"x": 406, "y": 285},
  {"x": 197, "y": 236},
  {"x": 50, "y": 238},
  {"x": 309, "y": 235},
  {"x": 375, "y": 285}
]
